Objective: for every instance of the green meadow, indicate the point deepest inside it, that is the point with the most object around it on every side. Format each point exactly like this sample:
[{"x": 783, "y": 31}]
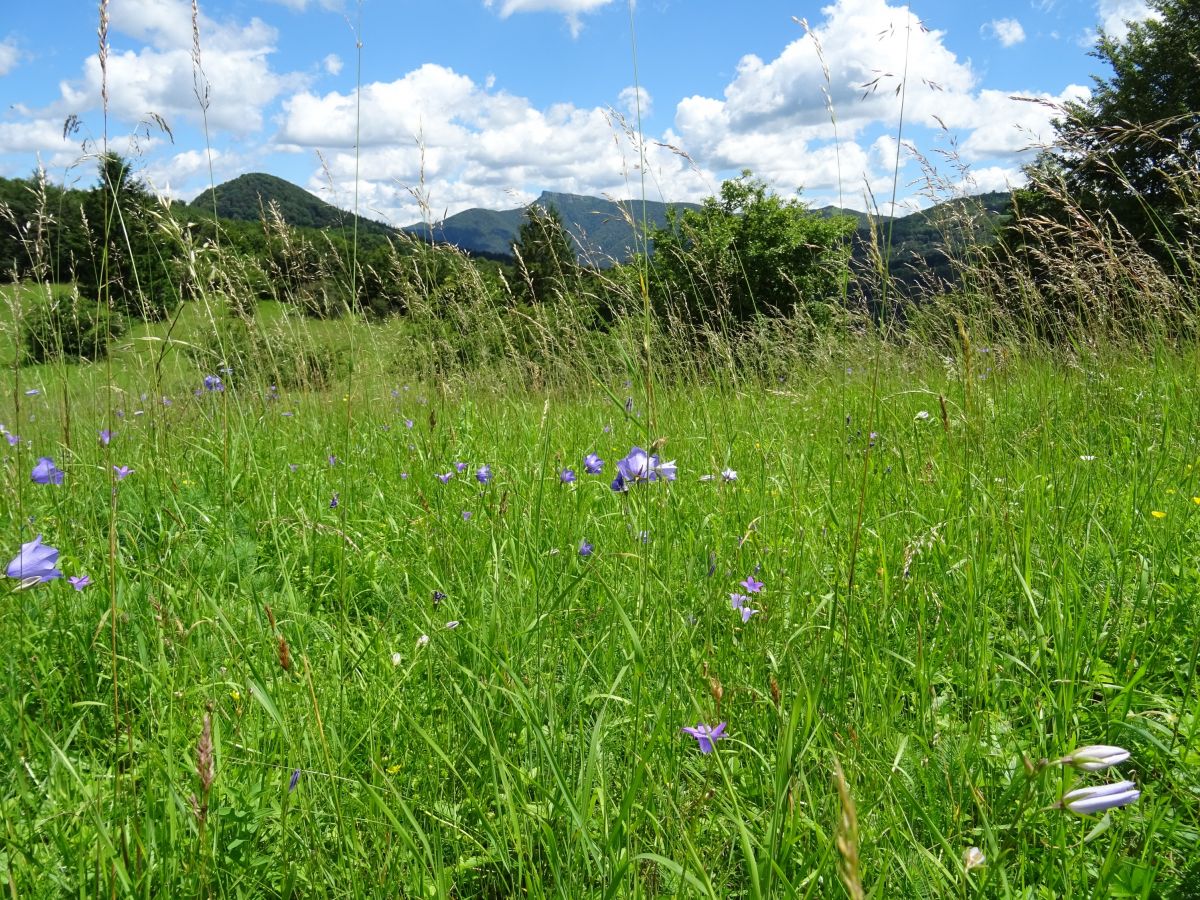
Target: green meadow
[
  {"x": 791, "y": 554},
  {"x": 970, "y": 566}
]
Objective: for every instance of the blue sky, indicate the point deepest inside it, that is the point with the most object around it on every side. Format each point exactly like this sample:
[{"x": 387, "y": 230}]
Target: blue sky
[{"x": 489, "y": 102}]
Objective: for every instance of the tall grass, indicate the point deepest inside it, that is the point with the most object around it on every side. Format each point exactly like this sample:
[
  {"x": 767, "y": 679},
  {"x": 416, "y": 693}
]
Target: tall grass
[{"x": 977, "y": 544}]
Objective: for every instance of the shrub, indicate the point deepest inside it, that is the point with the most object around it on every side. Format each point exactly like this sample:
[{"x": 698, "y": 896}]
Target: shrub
[{"x": 71, "y": 328}]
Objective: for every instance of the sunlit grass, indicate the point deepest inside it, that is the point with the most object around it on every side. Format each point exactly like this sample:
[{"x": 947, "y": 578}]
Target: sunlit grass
[{"x": 1012, "y": 600}]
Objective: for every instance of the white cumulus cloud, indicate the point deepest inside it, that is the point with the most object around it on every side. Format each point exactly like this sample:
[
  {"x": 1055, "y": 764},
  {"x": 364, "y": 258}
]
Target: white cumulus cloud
[
  {"x": 1009, "y": 32},
  {"x": 332, "y": 64},
  {"x": 10, "y": 55},
  {"x": 466, "y": 144},
  {"x": 1113, "y": 15},
  {"x": 572, "y": 9},
  {"x": 634, "y": 100},
  {"x": 774, "y": 118},
  {"x": 159, "y": 77}
]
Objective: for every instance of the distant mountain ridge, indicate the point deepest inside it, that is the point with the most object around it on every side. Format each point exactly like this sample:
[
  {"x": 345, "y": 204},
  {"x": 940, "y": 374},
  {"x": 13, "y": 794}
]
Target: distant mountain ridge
[{"x": 603, "y": 230}]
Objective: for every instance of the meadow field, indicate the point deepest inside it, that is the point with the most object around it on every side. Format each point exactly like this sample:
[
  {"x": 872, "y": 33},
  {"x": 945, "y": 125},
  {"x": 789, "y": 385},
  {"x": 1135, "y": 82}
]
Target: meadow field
[
  {"x": 768, "y": 559},
  {"x": 374, "y": 640}
]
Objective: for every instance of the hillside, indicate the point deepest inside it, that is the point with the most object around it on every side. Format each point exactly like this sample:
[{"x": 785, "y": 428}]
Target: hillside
[
  {"x": 604, "y": 231},
  {"x": 923, "y": 242},
  {"x": 245, "y": 198}
]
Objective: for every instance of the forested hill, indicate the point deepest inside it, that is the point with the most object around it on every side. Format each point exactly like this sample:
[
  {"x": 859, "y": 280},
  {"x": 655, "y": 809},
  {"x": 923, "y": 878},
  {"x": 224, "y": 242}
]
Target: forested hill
[
  {"x": 923, "y": 242},
  {"x": 246, "y": 198}
]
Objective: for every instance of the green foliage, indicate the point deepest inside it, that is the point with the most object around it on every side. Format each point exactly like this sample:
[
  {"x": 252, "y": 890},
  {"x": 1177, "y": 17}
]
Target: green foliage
[
  {"x": 750, "y": 252},
  {"x": 131, "y": 259},
  {"x": 41, "y": 229},
  {"x": 545, "y": 256},
  {"x": 251, "y": 353},
  {"x": 70, "y": 328},
  {"x": 1128, "y": 150}
]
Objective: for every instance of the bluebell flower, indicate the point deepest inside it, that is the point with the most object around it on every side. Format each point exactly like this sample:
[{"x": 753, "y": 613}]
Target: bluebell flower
[
  {"x": 45, "y": 472},
  {"x": 35, "y": 563},
  {"x": 706, "y": 735}
]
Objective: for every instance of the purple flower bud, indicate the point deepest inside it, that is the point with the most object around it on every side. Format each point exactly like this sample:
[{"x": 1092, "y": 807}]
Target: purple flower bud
[
  {"x": 1095, "y": 757},
  {"x": 1089, "y": 800}
]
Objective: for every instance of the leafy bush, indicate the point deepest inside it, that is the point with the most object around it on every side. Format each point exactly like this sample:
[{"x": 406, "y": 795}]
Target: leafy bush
[
  {"x": 70, "y": 328},
  {"x": 749, "y": 252},
  {"x": 280, "y": 354}
]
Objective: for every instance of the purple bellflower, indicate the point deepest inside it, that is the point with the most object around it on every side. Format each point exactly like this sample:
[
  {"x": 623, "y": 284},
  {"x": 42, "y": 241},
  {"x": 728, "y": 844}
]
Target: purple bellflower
[
  {"x": 79, "y": 582},
  {"x": 751, "y": 586},
  {"x": 484, "y": 474},
  {"x": 639, "y": 466},
  {"x": 566, "y": 476},
  {"x": 45, "y": 472},
  {"x": 35, "y": 563},
  {"x": 706, "y": 735},
  {"x": 593, "y": 464}
]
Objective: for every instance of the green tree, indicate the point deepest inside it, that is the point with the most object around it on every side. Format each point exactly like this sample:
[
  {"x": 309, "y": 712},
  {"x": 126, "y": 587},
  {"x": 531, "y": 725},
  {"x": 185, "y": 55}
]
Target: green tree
[
  {"x": 132, "y": 257},
  {"x": 545, "y": 254},
  {"x": 751, "y": 252},
  {"x": 1132, "y": 149}
]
